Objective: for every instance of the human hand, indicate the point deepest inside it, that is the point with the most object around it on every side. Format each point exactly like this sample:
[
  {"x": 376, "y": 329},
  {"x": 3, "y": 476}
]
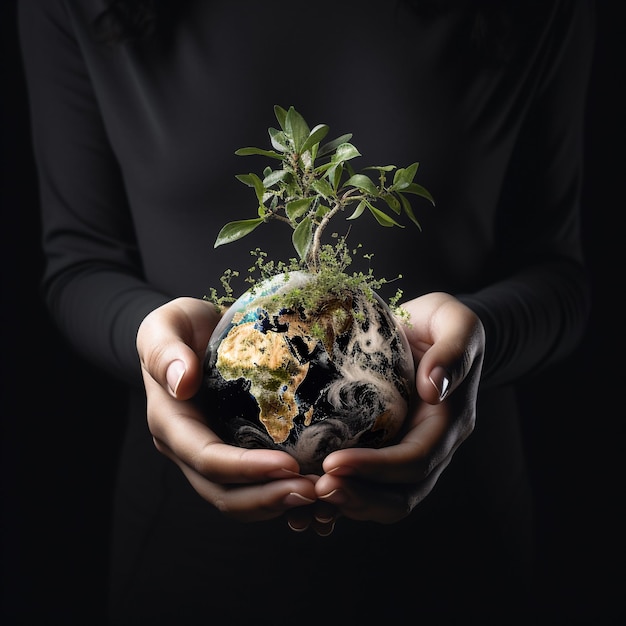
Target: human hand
[
  {"x": 247, "y": 485},
  {"x": 384, "y": 485}
]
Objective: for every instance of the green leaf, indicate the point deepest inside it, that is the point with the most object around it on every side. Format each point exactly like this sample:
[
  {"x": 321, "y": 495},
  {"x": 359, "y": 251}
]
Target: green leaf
[
  {"x": 281, "y": 116},
  {"x": 236, "y": 230},
  {"x": 296, "y": 128},
  {"x": 278, "y": 139},
  {"x": 259, "y": 187},
  {"x": 408, "y": 209},
  {"x": 316, "y": 135},
  {"x": 322, "y": 187},
  {"x": 246, "y": 179},
  {"x": 382, "y": 218},
  {"x": 252, "y": 180},
  {"x": 301, "y": 237},
  {"x": 345, "y": 152},
  {"x": 334, "y": 175},
  {"x": 419, "y": 191},
  {"x": 362, "y": 182},
  {"x": 291, "y": 189},
  {"x": 393, "y": 203},
  {"x": 358, "y": 211},
  {"x": 275, "y": 177},
  {"x": 331, "y": 146},
  {"x": 381, "y": 168},
  {"x": 321, "y": 169},
  {"x": 321, "y": 210},
  {"x": 297, "y": 208},
  {"x": 404, "y": 176},
  {"x": 260, "y": 151}
]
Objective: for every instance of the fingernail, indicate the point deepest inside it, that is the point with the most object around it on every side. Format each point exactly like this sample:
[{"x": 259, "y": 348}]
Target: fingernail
[
  {"x": 175, "y": 373},
  {"x": 324, "y": 519},
  {"x": 297, "y": 529},
  {"x": 325, "y": 532},
  {"x": 342, "y": 470},
  {"x": 336, "y": 496},
  {"x": 439, "y": 378},
  {"x": 296, "y": 499}
]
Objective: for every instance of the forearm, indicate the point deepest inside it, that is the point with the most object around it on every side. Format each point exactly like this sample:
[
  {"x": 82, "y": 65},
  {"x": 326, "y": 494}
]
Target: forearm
[
  {"x": 532, "y": 320},
  {"x": 99, "y": 311}
]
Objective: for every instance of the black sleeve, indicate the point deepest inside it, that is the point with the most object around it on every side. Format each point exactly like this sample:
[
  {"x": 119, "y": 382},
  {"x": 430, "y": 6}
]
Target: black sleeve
[
  {"x": 534, "y": 310},
  {"x": 537, "y": 312},
  {"x": 93, "y": 282}
]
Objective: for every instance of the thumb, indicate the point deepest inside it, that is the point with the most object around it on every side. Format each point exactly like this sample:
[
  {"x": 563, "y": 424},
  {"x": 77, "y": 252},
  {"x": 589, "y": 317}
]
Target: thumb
[
  {"x": 182, "y": 376},
  {"x": 171, "y": 341},
  {"x": 456, "y": 348}
]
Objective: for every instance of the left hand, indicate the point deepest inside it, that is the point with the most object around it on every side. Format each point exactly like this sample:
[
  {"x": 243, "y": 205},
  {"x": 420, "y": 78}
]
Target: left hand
[{"x": 384, "y": 485}]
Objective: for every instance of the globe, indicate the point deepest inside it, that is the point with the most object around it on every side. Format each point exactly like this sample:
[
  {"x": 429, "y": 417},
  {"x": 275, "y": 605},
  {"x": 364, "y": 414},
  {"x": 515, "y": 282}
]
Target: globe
[{"x": 308, "y": 380}]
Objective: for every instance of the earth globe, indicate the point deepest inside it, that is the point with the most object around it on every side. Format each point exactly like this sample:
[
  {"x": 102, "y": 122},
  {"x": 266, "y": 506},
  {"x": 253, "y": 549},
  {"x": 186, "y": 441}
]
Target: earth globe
[{"x": 308, "y": 379}]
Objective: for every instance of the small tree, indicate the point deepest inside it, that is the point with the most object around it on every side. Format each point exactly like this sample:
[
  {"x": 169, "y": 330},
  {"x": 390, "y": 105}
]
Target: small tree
[{"x": 313, "y": 183}]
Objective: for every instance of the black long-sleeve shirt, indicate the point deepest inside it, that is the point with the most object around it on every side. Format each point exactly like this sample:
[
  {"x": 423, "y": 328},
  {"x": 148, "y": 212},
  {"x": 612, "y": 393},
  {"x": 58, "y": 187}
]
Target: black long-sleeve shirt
[
  {"x": 135, "y": 143},
  {"x": 135, "y": 146}
]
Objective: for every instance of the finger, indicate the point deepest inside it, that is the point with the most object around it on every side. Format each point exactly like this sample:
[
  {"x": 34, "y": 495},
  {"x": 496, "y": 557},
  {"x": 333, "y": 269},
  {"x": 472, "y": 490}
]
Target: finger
[
  {"x": 319, "y": 517},
  {"x": 171, "y": 342},
  {"x": 181, "y": 427},
  {"x": 385, "y": 504},
  {"x": 299, "y": 519},
  {"x": 249, "y": 502},
  {"x": 428, "y": 439},
  {"x": 448, "y": 338},
  {"x": 325, "y": 516}
]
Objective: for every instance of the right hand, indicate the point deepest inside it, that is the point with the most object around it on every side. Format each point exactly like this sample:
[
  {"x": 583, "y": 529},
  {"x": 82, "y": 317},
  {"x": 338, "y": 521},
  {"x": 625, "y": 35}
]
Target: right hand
[
  {"x": 244, "y": 484},
  {"x": 385, "y": 484}
]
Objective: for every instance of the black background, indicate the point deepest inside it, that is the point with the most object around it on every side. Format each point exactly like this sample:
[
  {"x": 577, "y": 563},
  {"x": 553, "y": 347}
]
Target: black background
[{"x": 59, "y": 449}]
